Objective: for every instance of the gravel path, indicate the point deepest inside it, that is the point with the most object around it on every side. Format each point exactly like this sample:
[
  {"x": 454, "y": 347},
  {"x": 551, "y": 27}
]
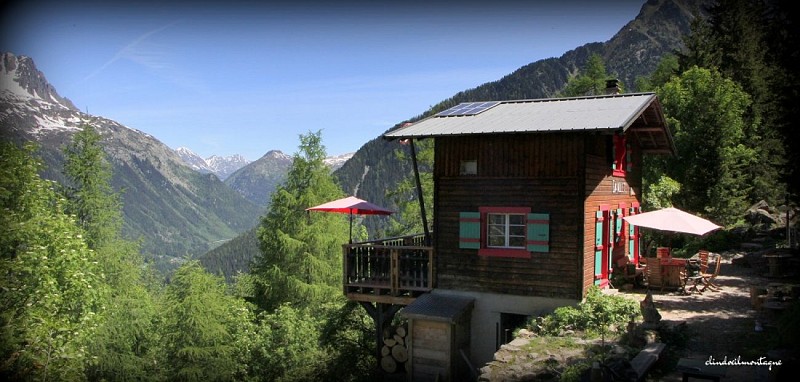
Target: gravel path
[
  {"x": 722, "y": 322},
  {"x": 721, "y": 325}
]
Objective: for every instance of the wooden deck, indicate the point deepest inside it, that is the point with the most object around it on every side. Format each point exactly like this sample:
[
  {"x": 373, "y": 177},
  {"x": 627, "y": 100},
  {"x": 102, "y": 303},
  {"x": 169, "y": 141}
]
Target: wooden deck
[{"x": 390, "y": 271}]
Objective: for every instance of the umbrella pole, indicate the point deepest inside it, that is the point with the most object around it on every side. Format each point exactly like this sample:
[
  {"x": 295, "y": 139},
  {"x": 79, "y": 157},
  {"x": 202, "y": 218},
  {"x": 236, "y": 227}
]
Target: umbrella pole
[{"x": 351, "y": 226}]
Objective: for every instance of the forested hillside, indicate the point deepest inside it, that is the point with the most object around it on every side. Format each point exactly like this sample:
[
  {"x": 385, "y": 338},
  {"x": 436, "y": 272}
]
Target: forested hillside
[
  {"x": 78, "y": 301},
  {"x": 175, "y": 211},
  {"x": 258, "y": 179},
  {"x": 632, "y": 53},
  {"x": 376, "y": 170}
]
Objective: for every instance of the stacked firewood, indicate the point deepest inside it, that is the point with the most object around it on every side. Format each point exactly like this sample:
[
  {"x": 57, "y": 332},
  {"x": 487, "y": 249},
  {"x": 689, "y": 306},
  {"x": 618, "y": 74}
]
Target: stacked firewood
[{"x": 394, "y": 354}]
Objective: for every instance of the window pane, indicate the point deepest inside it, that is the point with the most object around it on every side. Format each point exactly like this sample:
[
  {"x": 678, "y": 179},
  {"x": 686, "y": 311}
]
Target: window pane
[
  {"x": 506, "y": 230},
  {"x": 497, "y": 230},
  {"x": 496, "y": 219},
  {"x": 497, "y": 241},
  {"x": 516, "y": 241},
  {"x": 517, "y": 230},
  {"x": 516, "y": 219}
]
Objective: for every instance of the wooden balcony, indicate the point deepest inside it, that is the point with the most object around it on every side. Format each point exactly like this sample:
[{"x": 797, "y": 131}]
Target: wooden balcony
[{"x": 390, "y": 271}]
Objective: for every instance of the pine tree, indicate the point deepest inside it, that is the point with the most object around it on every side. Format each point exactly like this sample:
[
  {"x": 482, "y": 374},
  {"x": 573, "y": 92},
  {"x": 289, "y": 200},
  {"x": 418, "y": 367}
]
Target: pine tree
[
  {"x": 591, "y": 81},
  {"x": 206, "y": 332},
  {"x": 92, "y": 199},
  {"x": 301, "y": 252}
]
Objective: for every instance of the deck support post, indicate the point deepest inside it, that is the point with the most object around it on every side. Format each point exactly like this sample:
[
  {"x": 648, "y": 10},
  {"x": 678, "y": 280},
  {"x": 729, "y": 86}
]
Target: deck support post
[
  {"x": 419, "y": 193},
  {"x": 382, "y": 315}
]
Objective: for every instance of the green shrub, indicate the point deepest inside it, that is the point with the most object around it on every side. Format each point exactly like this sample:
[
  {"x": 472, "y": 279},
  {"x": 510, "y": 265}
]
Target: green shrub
[{"x": 597, "y": 313}]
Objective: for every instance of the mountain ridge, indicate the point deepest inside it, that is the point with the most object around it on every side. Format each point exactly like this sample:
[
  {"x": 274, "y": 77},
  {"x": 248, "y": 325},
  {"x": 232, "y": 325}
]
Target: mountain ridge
[
  {"x": 220, "y": 166},
  {"x": 374, "y": 169},
  {"x": 175, "y": 211}
]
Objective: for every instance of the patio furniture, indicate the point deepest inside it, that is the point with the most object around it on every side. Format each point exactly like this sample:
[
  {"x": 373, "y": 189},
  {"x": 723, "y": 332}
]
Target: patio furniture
[
  {"x": 655, "y": 275},
  {"x": 703, "y": 256},
  {"x": 693, "y": 283},
  {"x": 627, "y": 271},
  {"x": 693, "y": 278},
  {"x": 708, "y": 278},
  {"x": 673, "y": 271}
]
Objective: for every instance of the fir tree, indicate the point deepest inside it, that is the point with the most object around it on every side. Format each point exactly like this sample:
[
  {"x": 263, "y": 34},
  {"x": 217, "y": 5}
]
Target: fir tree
[
  {"x": 91, "y": 197},
  {"x": 591, "y": 81},
  {"x": 301, "y": 253}
]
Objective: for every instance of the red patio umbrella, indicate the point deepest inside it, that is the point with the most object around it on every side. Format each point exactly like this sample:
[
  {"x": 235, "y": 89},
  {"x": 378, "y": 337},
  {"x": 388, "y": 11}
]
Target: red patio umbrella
[{"x": 351, "y": 205}]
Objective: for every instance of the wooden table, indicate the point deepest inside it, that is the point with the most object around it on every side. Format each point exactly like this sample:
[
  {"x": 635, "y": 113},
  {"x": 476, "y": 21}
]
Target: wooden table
[
  {"x": 673, "y": 271},
  {"x": 697, "y": 368}
]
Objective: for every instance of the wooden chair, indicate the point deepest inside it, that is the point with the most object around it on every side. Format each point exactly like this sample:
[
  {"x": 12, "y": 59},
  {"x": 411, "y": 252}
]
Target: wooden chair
[
  {"x": 708, "y": 278},
  {"x": 654, "y": 274},
  {"x": 703, "y": 255}
]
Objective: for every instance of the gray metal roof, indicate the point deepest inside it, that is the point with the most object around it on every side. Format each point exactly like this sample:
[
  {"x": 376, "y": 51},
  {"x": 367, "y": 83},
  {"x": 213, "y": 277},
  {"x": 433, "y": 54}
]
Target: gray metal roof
[
  {"x": 438, "y": 307},
  {"x": 611, "y": 112}
]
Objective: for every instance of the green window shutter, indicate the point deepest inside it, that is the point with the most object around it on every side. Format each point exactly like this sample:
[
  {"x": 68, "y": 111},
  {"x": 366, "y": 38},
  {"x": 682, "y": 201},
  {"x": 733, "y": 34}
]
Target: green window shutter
[
  {"x": 469, "y": 230},
  {"x": 598, "y": 246},
  {"x": 618, "y": 228},
  {"x": 610, "y": 232},
  {"x": 631, "y": 236},
  {"x": 538, "y": 232}
]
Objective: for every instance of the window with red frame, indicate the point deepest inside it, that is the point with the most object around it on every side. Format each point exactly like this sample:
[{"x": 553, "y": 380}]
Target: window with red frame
[{"x": 504, "y": 231}]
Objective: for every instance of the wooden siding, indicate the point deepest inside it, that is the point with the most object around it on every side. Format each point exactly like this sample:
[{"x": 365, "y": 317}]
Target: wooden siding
[
  {"x": 536, "y": 171},
  {"x": 599, "y": 191},
  {"x": 510, "y": 155}
]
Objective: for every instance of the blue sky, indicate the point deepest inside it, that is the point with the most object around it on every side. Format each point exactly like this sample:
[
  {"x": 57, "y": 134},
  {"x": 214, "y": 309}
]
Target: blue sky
[{"x": 246, "y": 77}]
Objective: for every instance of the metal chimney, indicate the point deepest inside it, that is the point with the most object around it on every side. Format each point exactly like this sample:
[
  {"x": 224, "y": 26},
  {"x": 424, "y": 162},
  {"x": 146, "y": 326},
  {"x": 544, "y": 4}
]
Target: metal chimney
[{"x": 612, "y": 86}]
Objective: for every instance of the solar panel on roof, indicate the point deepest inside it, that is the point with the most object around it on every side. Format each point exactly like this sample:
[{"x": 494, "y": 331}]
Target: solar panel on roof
[{"x": 467, "y": 108}]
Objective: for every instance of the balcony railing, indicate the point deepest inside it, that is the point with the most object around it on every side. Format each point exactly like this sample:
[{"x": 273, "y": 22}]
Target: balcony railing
[{"x": 394, "y": 270}]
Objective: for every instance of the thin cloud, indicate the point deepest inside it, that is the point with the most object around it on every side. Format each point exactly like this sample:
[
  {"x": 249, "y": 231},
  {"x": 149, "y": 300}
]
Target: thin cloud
[{"x": 133, "y": 52}]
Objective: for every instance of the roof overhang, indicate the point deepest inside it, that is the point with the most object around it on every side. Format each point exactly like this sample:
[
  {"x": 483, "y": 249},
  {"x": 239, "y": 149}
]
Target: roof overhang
[{"x": 638, "y": 113}]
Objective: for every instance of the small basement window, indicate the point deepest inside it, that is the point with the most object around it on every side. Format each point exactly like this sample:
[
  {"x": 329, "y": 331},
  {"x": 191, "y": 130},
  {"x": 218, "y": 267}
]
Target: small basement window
[{"x": 469, "y": 167}]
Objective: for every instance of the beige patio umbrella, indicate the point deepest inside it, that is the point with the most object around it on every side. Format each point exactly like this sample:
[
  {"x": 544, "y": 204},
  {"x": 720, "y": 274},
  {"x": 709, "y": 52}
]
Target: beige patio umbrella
[{"x": 673, "y": 220}]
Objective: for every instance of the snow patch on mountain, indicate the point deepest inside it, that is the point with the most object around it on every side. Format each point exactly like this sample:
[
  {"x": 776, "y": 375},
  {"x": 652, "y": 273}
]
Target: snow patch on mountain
[
  {"x": 337, "y": 161},
  {"x": 220, "y": 166}
]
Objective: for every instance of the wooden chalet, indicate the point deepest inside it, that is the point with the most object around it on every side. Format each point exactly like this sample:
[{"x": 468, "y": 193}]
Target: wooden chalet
[{"x": 529, "y": 197}]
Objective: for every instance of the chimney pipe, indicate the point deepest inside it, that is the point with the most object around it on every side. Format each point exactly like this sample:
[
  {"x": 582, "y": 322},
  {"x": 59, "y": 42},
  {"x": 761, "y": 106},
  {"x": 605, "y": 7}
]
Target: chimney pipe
[{"x": 612, "y": 86}]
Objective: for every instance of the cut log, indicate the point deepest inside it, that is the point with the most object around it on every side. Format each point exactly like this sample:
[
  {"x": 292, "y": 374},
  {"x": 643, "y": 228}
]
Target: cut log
[
  {"x": 389, "y": 342},
  {"x": 386, "y": 350},
  {"x": 388, "y": 364},
  {"x": 399, "y": 353},
  {"x": 401, "y": 331},
  {"x": 400, "y": 340}
]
